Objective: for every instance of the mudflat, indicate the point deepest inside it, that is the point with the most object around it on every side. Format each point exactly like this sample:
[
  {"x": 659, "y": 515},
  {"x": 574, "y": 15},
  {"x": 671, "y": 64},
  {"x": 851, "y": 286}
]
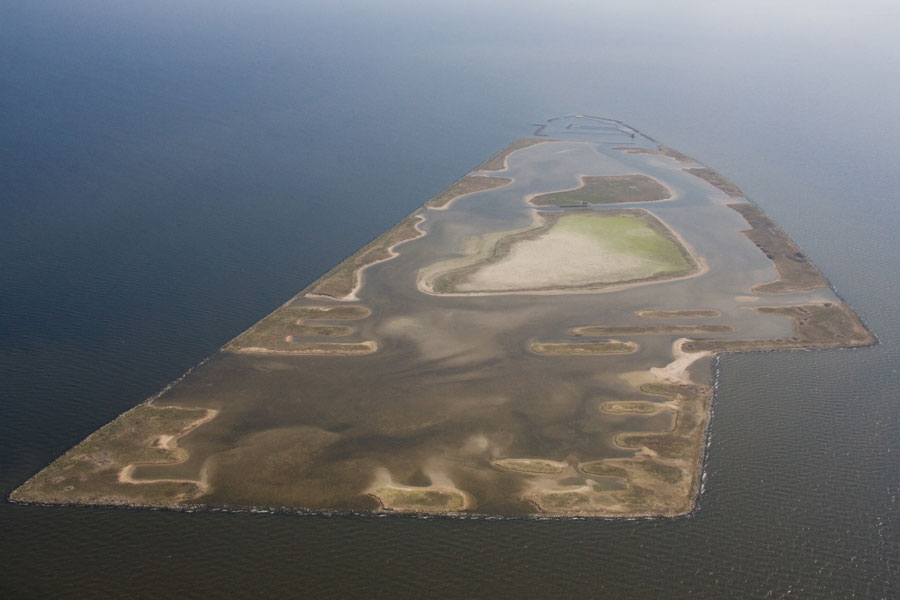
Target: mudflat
[{"x": 520, "y": 345}]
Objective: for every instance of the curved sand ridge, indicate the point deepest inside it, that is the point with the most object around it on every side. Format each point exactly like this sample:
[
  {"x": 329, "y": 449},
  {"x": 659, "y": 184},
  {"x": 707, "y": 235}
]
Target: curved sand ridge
[
  {"x": 170, "y": 442},
  {"x": 276, "y": 334},
  {"x": 442, "y": 495}
]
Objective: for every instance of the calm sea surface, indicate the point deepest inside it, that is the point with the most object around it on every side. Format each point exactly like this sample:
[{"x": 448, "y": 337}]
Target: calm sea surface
[{"x": 172, "y": 171}]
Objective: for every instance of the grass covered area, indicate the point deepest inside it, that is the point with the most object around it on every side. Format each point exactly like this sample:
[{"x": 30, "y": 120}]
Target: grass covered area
[
  {"x": 584, "y": 348},
  {"x": 631, "y": 406},
  {"x": 530, "y": 465},
  {"x": 406, "y": 499},
  {"x": 88, "y": 473},
  {"x": 611, "y": 189},
  {"x": 632, "y": 234},
  {"x": 595, "y": 330}
]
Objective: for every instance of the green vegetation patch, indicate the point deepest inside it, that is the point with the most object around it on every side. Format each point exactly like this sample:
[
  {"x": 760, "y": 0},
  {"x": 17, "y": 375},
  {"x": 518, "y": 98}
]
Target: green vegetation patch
[
  {"x": 585, "y": 348},
  {"x": 665, "y": 472},
  {"x": 530, "y": 465},
  {"x": 637, "y": 234},
  {"x": 608, "y": 189},
  {"x": 565, "y": 501},
  {"x": 678, "y": 314},
  {"x": 602, "y": 467},
  {"x": 829, "y": 325},
  {"x": 595, "y": 330},
  {"x": 631, "y": 407},
  {"x": 574, "y": 250}
]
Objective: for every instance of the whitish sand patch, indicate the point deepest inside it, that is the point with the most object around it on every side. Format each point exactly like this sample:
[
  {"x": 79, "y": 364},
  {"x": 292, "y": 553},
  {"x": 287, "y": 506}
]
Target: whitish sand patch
[
  {"x": 676, "y": 371},
  {"x": 559, "y": 259}
]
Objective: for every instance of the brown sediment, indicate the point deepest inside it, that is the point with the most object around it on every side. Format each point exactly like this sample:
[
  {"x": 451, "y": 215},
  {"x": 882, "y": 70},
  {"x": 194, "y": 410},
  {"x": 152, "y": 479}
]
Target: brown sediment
[
  {"x": 678, "y": 314},
  {"x": 277, "y": 331},
  {"x": 99, "y": 470},
  {"x": 343, "y": 281},
  {"x": 583, "y": 348},
  {"x": 607, "y": 189},
  {"x": 597, "y": 330},
  {"x": 717, "y": 180},
  {"x": 470, "y": 184},
  {"x": 819, "y": 326},
  {"x": 796, "y": 273},
  {"x": 497, "y": 161}
]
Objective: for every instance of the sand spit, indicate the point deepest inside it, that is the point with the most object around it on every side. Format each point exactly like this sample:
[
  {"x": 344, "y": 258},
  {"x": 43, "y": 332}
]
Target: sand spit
[
  {"x": 676, "y": 371},
  {"x": 497, "y": 162},
  {"x": 717, "y": 181},
  {"x": 467, "y": 186},
  {"x": 796, "y": 273}
]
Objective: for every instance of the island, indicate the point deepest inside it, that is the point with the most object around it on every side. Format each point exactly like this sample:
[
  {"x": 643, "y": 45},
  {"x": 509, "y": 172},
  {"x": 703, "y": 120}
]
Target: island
[{"x": 539, "y": 339}]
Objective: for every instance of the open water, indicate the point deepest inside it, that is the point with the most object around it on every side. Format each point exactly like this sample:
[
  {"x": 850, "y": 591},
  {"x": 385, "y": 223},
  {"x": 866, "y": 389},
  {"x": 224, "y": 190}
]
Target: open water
[{"x": 170, "y": 172}]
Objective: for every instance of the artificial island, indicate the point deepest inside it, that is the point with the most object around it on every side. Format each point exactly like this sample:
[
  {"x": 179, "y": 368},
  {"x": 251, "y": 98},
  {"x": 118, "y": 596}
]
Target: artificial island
[{"x": 535, "y": 340}]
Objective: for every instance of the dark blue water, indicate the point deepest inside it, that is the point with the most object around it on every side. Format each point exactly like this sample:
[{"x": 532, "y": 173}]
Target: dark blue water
[{"x": 170, "y": 172}]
